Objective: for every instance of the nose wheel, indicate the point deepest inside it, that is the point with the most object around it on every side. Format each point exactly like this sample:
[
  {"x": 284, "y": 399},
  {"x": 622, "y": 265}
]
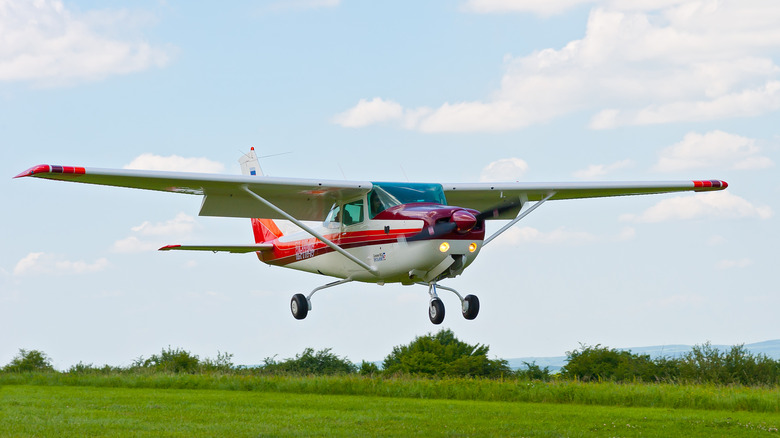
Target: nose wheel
[
  {"x": 436, "y": 311},
  {"x": 469, "y": 305}
]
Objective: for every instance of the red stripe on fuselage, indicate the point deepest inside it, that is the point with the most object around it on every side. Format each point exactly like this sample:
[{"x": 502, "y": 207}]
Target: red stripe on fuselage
[{"x": 290, "y": 252}]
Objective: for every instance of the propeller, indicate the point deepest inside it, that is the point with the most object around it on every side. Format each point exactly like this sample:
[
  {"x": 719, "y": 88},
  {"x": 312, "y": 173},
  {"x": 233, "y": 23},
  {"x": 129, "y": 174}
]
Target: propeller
[
  {"x": 496, "y": 211},
  {"x": 462, "y": 221}
]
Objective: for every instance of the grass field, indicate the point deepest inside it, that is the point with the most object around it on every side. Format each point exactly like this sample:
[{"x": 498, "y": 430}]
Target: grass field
[{"x": 61, "y": 405}]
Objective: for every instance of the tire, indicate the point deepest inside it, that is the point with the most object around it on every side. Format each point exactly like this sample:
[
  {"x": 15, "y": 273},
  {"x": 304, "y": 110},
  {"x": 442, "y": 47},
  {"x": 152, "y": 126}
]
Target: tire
[
  {"x": 299, "y": 306},
  {"x": 471, "y": 311},
  {"x": 436, "y": 311}
]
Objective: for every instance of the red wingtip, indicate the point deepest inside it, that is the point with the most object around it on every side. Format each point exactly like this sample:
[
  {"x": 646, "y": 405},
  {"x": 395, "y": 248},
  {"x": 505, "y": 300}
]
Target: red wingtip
[
  {"x": 41, "y": 168},
  {"x": 45, "y": 168},
  {"x": 711, "y": 184},
  {"x": 168, "y": 247}
]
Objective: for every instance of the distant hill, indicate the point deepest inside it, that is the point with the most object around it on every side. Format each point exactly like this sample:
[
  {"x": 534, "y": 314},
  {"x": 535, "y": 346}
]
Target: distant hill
[{"x": 769, "y": 348}]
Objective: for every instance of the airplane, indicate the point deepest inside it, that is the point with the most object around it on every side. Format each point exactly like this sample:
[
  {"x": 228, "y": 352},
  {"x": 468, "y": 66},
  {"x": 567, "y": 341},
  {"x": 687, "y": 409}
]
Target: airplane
[{"x": 373, "y": 232}]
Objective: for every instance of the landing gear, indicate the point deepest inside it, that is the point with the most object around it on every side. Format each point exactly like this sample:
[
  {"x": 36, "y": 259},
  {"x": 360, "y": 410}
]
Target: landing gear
[
  {"x": 299, "y": 306},
  {"x": 436, "y": 311},
  {"x": 469, "y": 305}
]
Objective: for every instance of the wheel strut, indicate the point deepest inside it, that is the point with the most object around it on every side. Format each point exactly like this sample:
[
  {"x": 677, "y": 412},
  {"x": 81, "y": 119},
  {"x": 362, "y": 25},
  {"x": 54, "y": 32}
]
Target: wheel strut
[
  {"x": 300, "y": 305},
  {"x": 469, "y": 304}
]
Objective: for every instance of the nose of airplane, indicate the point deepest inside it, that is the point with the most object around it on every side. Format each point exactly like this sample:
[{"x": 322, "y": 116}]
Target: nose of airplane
[{"x": 463, "y": 220}]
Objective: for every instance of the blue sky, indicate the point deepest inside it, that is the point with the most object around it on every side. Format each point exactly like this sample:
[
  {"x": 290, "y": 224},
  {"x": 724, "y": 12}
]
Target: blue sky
[{"x": 465, "y": 91}]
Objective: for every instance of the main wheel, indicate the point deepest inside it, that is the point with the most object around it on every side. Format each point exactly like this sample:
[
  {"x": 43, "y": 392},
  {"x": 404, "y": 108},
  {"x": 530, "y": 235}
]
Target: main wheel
[
  {"x": 299, "y": 306},
  {"x": 436, "y": 311},
  {"x": 470, "y": 306}
]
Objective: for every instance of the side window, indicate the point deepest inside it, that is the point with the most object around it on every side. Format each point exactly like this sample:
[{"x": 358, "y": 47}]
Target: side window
[
  {"x": 334, "y": 217},
  {"x": 353, "y": 213}
]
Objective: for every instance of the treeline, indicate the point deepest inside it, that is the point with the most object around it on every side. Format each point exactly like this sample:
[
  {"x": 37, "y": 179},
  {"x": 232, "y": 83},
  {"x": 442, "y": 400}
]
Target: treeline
[{"x": 442, "y": 355}]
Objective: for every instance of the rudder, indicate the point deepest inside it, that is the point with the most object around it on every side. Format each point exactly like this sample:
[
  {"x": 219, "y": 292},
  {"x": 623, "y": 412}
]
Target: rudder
[{"x": 265, "y": 230}]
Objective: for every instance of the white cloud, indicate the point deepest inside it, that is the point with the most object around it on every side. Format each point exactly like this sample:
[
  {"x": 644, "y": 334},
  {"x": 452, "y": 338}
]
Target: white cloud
[
  {"x": 744, "y": 103},
  {"x": 704, "y": 205},
  {"x": 504, "y": 169},
  {"x": 626, "y": 233},
  {"x": 369, "y": 112},
  {"x": 134, "y": 244},
  {"x": 638, "y": 63},
  {"x": 551, "y": 7},
  {"x": 562, "y": 235},
  {"x": 716, "y": 240},
  {"x": 521, "y": 235},
  {"x": 179, "y": 226},
  {"x": 45, "y": 42},
  {"x": 545, "y": 7},
  {"x": 599, "y": 170},
  {"x": 37, "y": 263},
  {"x": 303, "y": 4},
  {"x": 175, "y": 163},
  {"x": 716, "y": 149},
  {"x": 730, "y": 264}
]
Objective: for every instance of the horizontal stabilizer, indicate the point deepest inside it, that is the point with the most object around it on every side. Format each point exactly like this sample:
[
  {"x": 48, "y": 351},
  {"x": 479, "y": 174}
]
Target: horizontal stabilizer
[{"x": 220, "y": 248}]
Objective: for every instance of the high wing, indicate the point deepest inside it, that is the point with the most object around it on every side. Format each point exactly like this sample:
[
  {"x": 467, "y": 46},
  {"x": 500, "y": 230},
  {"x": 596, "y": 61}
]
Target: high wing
[
  {"x": 311, "y": 199},
  {"x": 224, "y": 195},
  {"x": 488, "y": 196}
]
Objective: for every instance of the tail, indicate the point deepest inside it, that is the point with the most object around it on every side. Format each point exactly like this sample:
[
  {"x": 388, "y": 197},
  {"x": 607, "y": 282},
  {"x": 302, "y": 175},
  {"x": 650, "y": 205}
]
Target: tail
[{"x": 265, "y": 230}]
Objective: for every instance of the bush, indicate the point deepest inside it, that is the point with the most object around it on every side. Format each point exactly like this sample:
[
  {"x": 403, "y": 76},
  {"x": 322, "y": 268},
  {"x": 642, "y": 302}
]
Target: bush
[
  {"x": 322, "y": 362},
  {"x": 532, "y": 371},
  {"x": 706, "y": 364},
  {"x": 601, "y": 363},
  {"x": 223, "y": 363},
  {"x": 82, "y": 368},
  {"x": 29, "y": 361},
  {"x": 368, "y": 368},
  {"x": 442, "y": 355},
  {"x": 169, "y": 361}
]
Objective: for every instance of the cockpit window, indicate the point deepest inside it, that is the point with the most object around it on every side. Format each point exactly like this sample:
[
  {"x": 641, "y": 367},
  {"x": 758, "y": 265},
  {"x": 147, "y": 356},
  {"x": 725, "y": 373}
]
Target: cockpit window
[
  {"x": 348, "y": 214},
  {"x": 353, "y": 213},
  {"x": 386, "y": 195}
]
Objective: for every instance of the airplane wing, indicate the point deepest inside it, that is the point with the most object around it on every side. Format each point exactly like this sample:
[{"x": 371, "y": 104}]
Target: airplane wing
[
  {"x": 220, "y": 248},
  {"x": 223, "y": 195},
  {"x": 487, "y": 196},
  {"x": 311, "y": 199}
]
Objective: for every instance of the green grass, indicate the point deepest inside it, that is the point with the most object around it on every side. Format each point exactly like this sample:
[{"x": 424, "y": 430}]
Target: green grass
[
  {"x": 45, "y": 410},
  {"x": 731, "y": 398}
]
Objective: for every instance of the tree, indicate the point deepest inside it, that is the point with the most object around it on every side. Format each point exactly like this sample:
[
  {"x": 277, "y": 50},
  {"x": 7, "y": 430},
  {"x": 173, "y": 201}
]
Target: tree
[
  {"x": 443, "y": 354},
  {"x": 29, "y": 361}
]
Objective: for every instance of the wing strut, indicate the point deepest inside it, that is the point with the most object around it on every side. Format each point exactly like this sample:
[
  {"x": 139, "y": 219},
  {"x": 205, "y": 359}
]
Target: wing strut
[
  {"x": 321, "y": 238},
  {"x": 519, "y": 216}
]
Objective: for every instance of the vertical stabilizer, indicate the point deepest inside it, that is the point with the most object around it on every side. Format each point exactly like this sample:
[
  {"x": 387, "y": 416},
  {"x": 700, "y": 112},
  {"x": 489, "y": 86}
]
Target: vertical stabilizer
[
  {"x": 265, "y": 230},
  {"x": 249, "y": 164}
]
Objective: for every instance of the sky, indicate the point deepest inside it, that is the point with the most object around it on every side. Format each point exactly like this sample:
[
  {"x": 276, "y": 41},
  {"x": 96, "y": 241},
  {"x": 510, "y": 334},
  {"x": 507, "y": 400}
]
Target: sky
[{"x": 438, "y": 91}]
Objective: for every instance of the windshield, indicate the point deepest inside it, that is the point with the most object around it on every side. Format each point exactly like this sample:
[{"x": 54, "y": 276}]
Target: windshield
[{"x": 386, "y": 195}]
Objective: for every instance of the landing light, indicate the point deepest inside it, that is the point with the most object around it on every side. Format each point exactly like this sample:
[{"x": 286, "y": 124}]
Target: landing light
[
  {"x": 444, "y": 247},
  {"x": 473, "y": 247}
]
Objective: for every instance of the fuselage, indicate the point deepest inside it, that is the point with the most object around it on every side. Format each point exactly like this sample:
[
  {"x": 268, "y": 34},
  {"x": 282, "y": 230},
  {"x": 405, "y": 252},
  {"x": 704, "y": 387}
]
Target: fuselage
[{"x": 419, "y": 241}]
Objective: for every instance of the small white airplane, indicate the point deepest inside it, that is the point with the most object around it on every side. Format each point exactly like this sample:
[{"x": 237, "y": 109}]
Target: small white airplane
[{"x": 374, "y": 232}]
